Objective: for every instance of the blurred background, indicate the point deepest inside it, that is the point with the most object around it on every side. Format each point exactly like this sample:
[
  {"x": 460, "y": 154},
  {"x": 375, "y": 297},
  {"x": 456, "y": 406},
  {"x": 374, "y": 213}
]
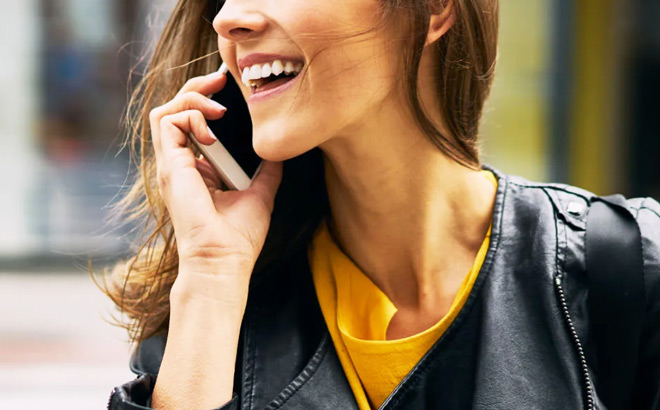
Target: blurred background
[{"x": 576, "y": 100}]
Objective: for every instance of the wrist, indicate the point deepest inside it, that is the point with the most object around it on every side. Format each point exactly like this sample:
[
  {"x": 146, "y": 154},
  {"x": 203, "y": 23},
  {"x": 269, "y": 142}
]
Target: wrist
[
  {"x": 226, "y": 290},
  {"x": 207, "y": 310},
  {"x": 190, "y": 312},
  {"x": 225, "y": 265}
]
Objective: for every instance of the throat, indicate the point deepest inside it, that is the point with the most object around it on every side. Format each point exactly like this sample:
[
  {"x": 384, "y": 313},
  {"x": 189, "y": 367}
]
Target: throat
[{"x": 407, "y": 323}]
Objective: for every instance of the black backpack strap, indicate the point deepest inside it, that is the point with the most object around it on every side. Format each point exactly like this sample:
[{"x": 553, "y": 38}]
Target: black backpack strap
[{"x": 616, "y": 297}]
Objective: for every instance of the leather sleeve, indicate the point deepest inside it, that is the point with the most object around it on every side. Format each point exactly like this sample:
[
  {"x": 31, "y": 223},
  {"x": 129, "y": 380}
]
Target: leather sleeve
[
  {"x": 136, "y": 394},
  {"x": 647, "y": 384}
]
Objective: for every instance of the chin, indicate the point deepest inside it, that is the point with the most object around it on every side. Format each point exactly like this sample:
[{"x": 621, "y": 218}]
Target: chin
[
  {"x": 273, "y": 148},
  {"x": 277, "y": 145}
]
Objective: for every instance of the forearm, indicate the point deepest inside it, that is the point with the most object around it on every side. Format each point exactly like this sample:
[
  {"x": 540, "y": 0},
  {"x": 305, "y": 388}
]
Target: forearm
[{"x": 197, "y": 371}]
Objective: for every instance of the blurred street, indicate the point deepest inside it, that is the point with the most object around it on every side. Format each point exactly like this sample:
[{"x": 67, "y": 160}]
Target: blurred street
[{"x": 56, "y": 351}]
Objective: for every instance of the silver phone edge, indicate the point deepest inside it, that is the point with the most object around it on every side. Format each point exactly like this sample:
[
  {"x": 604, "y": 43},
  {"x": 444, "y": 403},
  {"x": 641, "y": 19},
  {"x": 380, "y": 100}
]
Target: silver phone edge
[{"x": 202, "y": 148}]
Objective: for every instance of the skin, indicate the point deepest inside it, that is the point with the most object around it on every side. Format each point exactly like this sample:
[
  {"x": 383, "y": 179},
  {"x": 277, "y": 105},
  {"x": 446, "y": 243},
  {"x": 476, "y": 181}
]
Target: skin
[
  {"x": 406, "y": 200},
  {"x": 410, "y": 218}
]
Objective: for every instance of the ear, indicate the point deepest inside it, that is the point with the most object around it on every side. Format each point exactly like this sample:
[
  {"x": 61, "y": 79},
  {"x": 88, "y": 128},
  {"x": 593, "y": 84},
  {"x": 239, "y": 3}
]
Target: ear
[{"x": 442, "y": 18}]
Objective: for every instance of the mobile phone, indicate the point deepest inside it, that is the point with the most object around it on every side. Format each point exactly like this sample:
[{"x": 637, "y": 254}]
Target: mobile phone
[{"x": 233, "y": 157}]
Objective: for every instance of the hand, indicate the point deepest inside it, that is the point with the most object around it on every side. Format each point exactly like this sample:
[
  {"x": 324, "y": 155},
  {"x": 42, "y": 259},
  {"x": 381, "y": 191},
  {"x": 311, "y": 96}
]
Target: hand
[{"x": 215, "y": 229}]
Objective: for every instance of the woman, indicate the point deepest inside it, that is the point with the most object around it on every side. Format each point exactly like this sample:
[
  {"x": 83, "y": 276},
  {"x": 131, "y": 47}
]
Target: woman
[{"x": 392, "y": 270}]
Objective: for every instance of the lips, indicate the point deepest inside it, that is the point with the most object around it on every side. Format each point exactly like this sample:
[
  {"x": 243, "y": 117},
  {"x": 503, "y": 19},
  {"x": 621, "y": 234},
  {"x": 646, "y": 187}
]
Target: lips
[{"x": 278, "y": 73}]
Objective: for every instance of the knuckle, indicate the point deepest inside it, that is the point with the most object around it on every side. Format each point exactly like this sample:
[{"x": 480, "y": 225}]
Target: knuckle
[
  {"x": 192, "y": 82},
  {"x": 191, "y": 98},
  {"x": 189, "y": 95},
  {"x": 165, "y": 121},
  {"x": 197, "y": 116},
  {"x": 155, "y": 114}
]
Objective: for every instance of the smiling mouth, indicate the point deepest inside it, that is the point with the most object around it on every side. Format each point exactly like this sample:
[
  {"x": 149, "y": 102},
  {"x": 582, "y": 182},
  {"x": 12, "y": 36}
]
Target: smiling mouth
[{"x": 264, "y": 77}]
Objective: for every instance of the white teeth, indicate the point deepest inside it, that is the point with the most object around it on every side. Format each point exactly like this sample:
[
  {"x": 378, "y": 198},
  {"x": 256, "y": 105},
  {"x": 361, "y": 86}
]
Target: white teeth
[
  {"x": 277, "y": 68},
  {"x": 246, "y": 75},
  {"x": 265, "y": 70},
  {"x": 255, "y": 72},
  {"x": 252, "y": 74}
]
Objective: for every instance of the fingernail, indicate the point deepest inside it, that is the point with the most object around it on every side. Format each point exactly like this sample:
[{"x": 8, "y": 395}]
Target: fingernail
[
  {"x": 212, "y": 134},
  {"x": 218, "y": 105}
]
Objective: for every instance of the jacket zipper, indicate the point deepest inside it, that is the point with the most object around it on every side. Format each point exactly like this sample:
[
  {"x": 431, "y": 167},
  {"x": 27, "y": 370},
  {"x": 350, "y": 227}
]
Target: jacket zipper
[{"x": 576, "y": 342}]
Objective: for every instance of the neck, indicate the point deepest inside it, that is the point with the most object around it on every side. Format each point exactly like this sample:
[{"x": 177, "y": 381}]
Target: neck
[{"x": 410, "y": 218}]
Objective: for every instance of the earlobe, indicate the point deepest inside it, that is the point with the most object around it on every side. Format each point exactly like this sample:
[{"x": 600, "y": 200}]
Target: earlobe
[{"x": 440, "y": 23}]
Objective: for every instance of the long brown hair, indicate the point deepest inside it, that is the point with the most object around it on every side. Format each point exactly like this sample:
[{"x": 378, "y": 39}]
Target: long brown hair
[{"x": 465, "y": 61}]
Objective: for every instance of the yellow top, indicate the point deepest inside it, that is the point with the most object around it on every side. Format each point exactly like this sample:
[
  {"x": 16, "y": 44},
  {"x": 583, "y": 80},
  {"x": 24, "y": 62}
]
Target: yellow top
[{"x": 358, "y": 313}]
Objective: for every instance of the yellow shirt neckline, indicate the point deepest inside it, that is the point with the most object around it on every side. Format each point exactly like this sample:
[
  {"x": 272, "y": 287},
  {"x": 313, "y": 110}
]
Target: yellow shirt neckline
[{"x": 358, "y": 313}]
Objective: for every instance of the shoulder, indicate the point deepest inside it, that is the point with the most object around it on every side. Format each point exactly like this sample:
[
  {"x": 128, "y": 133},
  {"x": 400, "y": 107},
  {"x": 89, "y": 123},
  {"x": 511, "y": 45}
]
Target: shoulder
[
  {"x": 573, "y": 203},
  {"x": 571, "y": 206},
  {"x": 519, "y": 198}
]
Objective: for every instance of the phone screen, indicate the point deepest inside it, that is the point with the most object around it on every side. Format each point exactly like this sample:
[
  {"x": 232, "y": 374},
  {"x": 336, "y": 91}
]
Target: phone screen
[{"x": 234, "y": 129}]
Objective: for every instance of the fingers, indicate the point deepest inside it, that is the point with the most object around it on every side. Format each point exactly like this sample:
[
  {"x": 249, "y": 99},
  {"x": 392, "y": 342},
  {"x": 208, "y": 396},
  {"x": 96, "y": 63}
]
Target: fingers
[
  {"x": 192, "y": 96},
  {"x": 187, "y": 101},
  {"x": 210, "y": 177},
  {"x": 176, "y": 115},
  {"x": 176, "y": 127},
  {"x": 175, "y": 161},
  {"x": 205, "y": 85},
  {"x": 268, "y": 181}
]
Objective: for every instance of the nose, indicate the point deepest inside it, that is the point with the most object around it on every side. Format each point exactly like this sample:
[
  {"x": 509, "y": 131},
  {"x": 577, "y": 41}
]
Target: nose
[{"x": 239, "y": 20}]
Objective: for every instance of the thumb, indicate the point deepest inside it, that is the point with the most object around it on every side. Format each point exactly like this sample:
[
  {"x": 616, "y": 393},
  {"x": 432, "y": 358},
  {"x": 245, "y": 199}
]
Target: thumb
[{"x": 267, "y": 181}]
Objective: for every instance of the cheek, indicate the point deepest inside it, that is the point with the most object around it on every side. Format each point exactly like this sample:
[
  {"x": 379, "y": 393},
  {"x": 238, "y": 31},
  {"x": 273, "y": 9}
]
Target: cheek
[
  {"x": 347, "y": 77},
  {"x": 351, "y": 58}
]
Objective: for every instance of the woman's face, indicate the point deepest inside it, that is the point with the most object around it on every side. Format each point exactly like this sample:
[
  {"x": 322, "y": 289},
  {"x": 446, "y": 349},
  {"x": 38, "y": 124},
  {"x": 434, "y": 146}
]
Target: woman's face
[{"x": 343, "y": 87}]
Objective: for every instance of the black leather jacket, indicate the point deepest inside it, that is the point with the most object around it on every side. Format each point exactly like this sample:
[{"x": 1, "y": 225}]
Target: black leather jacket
[{"x": 510, "y": 346}]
